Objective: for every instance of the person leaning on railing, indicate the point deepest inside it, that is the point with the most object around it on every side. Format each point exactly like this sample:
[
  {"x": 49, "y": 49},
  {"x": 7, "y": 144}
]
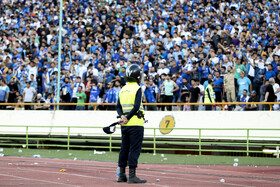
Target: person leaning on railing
[
  {"x": 269, "y": 93},
  {"x": 253, "y": 98},
  {"x": 40, "y": 99},
  {"x": 276, "y": 89}
]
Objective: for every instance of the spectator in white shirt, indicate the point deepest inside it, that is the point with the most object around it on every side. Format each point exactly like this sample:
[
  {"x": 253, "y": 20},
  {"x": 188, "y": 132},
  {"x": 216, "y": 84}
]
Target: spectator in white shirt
[
  {"x": 163, "y": 68},
  {"x": 29, "y": 95}
]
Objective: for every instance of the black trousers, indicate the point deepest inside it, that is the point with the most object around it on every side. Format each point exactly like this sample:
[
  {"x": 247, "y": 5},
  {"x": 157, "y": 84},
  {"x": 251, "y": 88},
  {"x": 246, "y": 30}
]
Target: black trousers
[
  {"x": 162, "y": 99},
  {"x": 208, "y": 107},
  {"x": 132, "y": 138},
  {"x": 194, "y": 107},
  {"x": 2, "y": 107},
  {"x": 257, "y": 87},
  {"x": 218, "y": 95},
  {"x": 151, "y": 107},
  {"x": 66, "y": 107},
  {"x": 74, "y": 100},
  {"x": 27, "y": 107},
  {"x": 251, "y": 78},
  {"x": 168, "y": 99}
]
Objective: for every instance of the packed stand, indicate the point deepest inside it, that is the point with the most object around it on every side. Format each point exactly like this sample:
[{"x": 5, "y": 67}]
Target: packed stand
[{"x": 194, "y": 51}]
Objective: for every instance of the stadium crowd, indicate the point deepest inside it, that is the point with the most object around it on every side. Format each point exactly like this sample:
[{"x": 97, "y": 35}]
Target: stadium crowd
[{"x": 182, "y": 46}]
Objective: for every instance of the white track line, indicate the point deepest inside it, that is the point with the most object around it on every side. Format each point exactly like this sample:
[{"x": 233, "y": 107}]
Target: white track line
[
  {"x": 199, "y": 168},
  {"x": 110, "y": 170},
  {"x": 82, "y": 167},
  {"x": 24, "y": 178},
  {"x": 65, "y": 173},
  {"x": 103, "y": 178},
  {"x": 200, "y": 181}
]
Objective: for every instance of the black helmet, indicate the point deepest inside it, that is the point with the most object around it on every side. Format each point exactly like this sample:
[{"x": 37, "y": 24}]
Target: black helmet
[{"x": 134, "y": 73}]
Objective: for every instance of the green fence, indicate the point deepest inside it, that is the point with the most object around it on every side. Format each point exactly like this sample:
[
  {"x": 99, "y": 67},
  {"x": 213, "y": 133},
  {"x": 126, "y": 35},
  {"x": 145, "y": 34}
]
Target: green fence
[{"x": 182, "y": 140}]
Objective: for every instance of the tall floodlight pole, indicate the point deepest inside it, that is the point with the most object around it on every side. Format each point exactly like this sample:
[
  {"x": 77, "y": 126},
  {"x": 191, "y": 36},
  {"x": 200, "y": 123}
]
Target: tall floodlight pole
[{"x": 59, "y": 54}]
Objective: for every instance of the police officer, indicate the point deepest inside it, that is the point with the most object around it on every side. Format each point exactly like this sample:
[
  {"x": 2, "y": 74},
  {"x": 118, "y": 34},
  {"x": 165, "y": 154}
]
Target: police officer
[
  {"x": 131, "y": 110},
  {"x": 209, "y": 95}
]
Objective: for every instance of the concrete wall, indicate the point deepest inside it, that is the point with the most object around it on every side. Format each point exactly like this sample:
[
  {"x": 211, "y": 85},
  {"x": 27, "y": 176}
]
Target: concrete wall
[{"x": 187, "y": 119}]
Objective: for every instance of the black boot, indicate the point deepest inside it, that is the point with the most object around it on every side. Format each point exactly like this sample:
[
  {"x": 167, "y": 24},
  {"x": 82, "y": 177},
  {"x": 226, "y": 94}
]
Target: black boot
[
  {"x": 122, "y": 175},
  {"x": 132, "y": 176}
]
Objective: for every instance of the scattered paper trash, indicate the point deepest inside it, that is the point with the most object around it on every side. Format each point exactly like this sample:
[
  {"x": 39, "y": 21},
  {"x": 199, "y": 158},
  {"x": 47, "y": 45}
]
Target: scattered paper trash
[
  {"x": 235, "y": 164},
  {"x": 36, "y": 156},
  {"x": 164, "y": 158},
  {"x": 70, "y": 154},
  {"x": 158, "y": 180},
  {"x": 236, "y": 160},
  {"x": 63, "y": 170},
  {"x": 162, "y": 155},
  {"x": 99, "y": 152},
  {"x": 154, "y": 154},
  {"x": 1, "y": 154},
  {"x": 24, "y": 146},
  {"x": 20, "y": 151},
  {"x": 10, "y": 164},
  {"x": 222, "y": 180},
  {"x": 256, "y": 166},
  {"x": 58, "y": 150},
  {"x": 35, "y": 163},
  {"x": 1, "y": 149},
  {"x": 75, "y": 158}
]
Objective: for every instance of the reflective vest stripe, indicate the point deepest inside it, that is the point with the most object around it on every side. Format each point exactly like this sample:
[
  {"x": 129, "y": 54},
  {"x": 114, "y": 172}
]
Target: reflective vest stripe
[
  {"x": 128, "y": 109},
  {"x": 127, "y": 105}
]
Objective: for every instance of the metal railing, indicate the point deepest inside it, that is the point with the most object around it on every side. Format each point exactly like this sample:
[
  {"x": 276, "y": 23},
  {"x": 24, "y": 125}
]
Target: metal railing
[
  {"x": 188, "y": 141},
  {"x": 178, "y": 104}
]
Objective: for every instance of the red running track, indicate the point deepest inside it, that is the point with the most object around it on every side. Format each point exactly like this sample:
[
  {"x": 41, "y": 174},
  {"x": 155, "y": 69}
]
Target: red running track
[{"x": 15, "y": 171}]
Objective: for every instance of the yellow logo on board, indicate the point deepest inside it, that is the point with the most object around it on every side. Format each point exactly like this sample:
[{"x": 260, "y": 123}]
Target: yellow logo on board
[{"x": 167, "y": 124}]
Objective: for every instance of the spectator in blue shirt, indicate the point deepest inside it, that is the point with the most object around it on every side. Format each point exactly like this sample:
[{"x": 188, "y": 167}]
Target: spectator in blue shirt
[
  {"x": 218, "y": 87},
  {"x": 110, "y": 96},
  {"x": 269, "y": 73},
  {"x": 109, "y": 76},
  {"x": 33, "y": 82},
  {"x": 66, "y": 93},
  {"x": 243, "y": 83},
  {"x": 117, "y": 88},
  {"x": 9, "y": 75},
  {"x": 149, "y": 96},
  {"x": 4, "y": 93},
  {"x": 204, "y": 71}
]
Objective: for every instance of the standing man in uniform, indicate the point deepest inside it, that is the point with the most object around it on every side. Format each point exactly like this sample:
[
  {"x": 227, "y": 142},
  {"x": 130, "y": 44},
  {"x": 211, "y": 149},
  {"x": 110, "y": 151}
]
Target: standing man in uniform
[
  {"x": 131, "y": 110},
  {"x": 209, "y": 95},
  {"x": 229, "y": 87}
]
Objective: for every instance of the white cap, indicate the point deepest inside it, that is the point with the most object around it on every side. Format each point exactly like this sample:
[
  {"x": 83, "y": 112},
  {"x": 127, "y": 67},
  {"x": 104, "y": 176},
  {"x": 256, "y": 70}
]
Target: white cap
[{"x": 162, "y": 61}]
